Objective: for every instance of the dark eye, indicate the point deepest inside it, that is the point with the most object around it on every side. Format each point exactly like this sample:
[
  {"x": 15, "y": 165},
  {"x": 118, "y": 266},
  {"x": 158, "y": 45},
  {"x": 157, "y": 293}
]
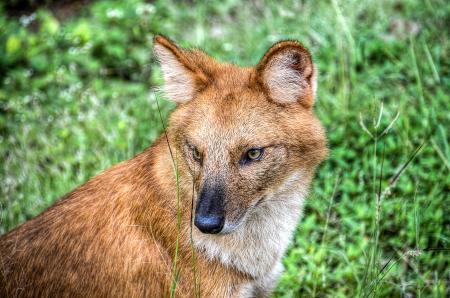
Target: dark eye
[{"x": 196, "y": 154}]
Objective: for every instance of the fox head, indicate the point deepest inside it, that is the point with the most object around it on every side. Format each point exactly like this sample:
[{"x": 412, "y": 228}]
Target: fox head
[{"x": 241, "y": 132}]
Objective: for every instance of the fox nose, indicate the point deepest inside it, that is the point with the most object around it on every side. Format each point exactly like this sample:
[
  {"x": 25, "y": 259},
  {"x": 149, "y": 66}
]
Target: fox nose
[
  {"x": 210, "y": 213},
  {"x": 210, "y": 224}
]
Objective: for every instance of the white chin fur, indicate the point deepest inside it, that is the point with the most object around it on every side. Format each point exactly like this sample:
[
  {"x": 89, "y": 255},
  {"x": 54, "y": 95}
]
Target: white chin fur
[{"x": 230, "y": 227}]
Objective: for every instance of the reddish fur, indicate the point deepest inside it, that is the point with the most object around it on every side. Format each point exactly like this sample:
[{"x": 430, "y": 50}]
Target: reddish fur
[{"x": 115, "y": 235}]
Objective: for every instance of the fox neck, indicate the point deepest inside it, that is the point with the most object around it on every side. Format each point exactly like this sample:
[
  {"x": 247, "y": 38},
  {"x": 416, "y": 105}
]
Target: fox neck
[{"x": 256, "y": 247}]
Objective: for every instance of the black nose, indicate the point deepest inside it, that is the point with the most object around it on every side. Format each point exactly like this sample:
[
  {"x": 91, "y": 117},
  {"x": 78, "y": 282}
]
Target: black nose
[
  {"x": 210, "y": 224},
  {"x": 210, "y": 213}
]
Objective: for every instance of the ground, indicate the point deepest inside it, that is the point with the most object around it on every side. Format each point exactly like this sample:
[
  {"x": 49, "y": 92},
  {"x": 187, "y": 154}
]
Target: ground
[{"x": 77, "y": 95}]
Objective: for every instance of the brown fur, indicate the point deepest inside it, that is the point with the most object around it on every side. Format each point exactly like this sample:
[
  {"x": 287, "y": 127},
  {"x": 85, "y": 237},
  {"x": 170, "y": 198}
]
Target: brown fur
[{"x": 115, "y": 236}]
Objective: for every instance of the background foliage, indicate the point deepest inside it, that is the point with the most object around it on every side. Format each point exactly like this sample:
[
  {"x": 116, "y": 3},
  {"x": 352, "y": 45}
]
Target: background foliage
[{"x": 75, "y": 98}]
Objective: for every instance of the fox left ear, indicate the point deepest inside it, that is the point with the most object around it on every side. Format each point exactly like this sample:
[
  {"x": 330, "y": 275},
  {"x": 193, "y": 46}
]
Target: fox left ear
[
  {"x": 182, "y": 76},
  {"x": 288, "y": 74}
]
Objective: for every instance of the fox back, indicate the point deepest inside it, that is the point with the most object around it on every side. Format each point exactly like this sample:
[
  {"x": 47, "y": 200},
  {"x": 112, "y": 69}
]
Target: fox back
[{"x": 208, "y": 210}]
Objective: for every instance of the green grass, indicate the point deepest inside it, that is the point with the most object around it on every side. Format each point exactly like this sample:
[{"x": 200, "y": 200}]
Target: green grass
[{"x": 75, "y": 98}]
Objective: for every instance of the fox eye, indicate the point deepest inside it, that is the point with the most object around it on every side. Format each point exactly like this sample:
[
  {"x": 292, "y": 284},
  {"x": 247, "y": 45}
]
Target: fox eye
[
  {"x": 196, "y": 154},
  {"x": 252, "y": 155}
]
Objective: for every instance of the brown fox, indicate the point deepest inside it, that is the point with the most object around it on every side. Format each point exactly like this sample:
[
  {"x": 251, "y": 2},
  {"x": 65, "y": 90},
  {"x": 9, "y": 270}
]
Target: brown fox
[{"x": 208, "y": 210}]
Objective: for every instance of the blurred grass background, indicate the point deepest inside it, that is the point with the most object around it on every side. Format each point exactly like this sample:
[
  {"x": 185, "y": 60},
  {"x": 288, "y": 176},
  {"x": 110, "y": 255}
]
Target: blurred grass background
[{"x": 75, "y": 98}]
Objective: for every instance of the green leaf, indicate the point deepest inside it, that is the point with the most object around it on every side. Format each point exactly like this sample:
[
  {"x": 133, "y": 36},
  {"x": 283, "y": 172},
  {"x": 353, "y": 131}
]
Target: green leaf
[{"x": 13, "y": 44}]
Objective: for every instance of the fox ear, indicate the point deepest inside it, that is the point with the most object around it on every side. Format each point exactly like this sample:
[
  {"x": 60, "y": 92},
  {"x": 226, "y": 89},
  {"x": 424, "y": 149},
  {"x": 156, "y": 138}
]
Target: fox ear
[
  {"x": 182, "y": 77},
  {"x": 288, "y": 74}
]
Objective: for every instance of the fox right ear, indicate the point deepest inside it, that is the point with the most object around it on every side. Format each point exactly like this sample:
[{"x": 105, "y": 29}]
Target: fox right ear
[
  {"x": 288, "y": 74},
  {"x": 182, "y": 77}
]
